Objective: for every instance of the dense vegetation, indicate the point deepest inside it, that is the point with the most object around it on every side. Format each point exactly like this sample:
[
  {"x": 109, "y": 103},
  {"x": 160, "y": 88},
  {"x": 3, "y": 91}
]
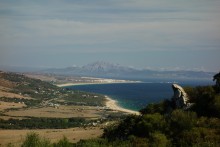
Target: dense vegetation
[
  {"x": 27, "y": 102},
  {"x": 57, "y": 123},
  {"x": 43, "y": 123}
]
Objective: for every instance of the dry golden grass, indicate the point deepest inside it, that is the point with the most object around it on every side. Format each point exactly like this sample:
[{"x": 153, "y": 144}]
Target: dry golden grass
[
  {"x": 11, "y": 95},
  {"x": 6, "y": 83},
  {"x": 7, "y": 105},
  {"x": 73, "y": 134},
  {"x": 61, "y": 112}
]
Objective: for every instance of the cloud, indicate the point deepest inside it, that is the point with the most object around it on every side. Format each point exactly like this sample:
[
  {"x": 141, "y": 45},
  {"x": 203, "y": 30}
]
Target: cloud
[
  {"x": 82, "y": 26},
  {"x": 172, "y": 34}
]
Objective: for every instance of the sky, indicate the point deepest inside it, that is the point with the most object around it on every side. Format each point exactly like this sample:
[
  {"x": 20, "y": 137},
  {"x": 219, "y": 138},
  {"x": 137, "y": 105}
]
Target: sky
[{"x": 149, "y": 34}]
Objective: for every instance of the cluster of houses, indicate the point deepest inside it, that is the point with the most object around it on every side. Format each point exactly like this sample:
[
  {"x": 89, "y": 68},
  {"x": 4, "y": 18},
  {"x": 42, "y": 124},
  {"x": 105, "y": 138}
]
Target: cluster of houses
[
  {"x": 88, "y": 96},
  {"x": 50, "y": 104}
]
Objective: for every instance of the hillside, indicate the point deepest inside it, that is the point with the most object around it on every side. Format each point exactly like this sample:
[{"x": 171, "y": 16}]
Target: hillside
[{"x": 33, "y": 104}]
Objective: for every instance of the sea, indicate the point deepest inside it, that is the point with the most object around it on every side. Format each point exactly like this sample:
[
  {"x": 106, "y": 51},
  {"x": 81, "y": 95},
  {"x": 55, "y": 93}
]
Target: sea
[{"x": 136, "y": 96}]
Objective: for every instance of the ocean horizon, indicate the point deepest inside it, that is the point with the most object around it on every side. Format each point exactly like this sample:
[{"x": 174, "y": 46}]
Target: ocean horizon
[{"x": 136, "y": 96}]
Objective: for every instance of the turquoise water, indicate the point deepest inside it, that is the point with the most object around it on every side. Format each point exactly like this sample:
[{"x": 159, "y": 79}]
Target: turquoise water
[{"x": 134, "y": 96}]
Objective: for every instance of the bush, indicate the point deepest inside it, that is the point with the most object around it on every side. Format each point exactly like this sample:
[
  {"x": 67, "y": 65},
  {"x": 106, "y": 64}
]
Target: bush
[
  {"x": 123, "y": 130},
  {"x": 34, "y": 140},
  {"x": 158, "y": 139},
  {"x": 92, "y": 143},
  {"x": 199, "y": 137},
  {"x": 162, "y": 108},
  {"x": 150, "y": 123},
  {"x": 204, "y": 99},
  {"x": 216, "y": 106},
  {"x": 181, "y": 120},
  {"x": 63, "y": 143},
  {"x": 103, "y": 143}
]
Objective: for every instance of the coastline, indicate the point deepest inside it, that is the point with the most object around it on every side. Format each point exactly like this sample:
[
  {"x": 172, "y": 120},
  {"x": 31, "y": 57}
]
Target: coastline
[
  {"x": 76, "y": 84},
  {"x": 95, "y": 83},
  {"x": 112, "y": 104},
  {"x": 98, "y": 81}
]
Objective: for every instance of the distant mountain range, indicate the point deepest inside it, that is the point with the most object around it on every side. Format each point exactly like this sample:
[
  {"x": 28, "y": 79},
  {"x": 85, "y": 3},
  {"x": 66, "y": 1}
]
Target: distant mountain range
[{"x": 109, "y": 70}]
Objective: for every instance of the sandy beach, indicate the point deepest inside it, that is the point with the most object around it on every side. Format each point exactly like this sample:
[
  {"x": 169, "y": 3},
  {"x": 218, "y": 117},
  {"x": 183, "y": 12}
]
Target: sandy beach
[
  {"x": 112, "y": 104},
  {"x": 90, "y": 81},
  {"x": 75, "y": 84}
]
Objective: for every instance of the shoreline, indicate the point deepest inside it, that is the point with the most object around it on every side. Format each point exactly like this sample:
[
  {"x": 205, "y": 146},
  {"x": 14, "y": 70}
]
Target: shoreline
[
  {"x": 110, "y": 103},
  {"x": 77, "y": 84},
  {"x": 113, "y": 104}
]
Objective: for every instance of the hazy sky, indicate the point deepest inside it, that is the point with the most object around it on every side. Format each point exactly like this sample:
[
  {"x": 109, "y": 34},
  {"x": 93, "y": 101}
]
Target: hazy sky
[{"x": 170, "y": 34}]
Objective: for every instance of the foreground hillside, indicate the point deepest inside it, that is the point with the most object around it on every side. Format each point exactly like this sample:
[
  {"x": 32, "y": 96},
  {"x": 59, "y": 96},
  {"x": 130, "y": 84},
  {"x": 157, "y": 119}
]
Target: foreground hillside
[{"x": 31, "y": 104}]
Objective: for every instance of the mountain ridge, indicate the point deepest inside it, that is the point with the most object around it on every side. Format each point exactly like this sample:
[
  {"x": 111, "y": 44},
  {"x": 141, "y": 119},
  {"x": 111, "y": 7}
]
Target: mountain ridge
[{"x": 109, "y": 70}]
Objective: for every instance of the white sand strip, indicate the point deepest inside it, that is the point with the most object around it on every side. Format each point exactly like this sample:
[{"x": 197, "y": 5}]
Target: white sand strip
[
  {"x": 74, "y": 84},
  {"x": 112, "y": 104},
  {"x": 106, "y": 81}
]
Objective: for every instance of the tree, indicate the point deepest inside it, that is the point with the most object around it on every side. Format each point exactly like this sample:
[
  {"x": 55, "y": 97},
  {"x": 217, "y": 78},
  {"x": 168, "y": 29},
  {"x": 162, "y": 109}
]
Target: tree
[
  {"x": 34, "y": 140},
  {"x": 158, "y": 139},
  {"x": 182, "y": 120},
  {"x": 63, "y": 143},
  {"x": 150, "y": 123},
  {"x": 216, "y": 78}
]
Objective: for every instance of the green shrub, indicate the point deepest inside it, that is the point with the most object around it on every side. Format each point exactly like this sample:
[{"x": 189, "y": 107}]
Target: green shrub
[
  {"x": 92, "y": 143},
  {"x": 100, "y": 142},
  {"x": 150, "y": 123},
  {"x": 199, "y": 136},
  {"x": 63, "y": 143},
  {"x": 158, "y": 139},
  {"x": 207, "y": 102},
  {"x": 121, "y": 130},
  {"x": 216, "y": 106},
  {"x": 140, "y": 142},
  {"x": 181, "y": 120},
  {"x": 161, "y": 107},
  {"x": 34, "y": 140},
  {"x": 10, "y": 145}
]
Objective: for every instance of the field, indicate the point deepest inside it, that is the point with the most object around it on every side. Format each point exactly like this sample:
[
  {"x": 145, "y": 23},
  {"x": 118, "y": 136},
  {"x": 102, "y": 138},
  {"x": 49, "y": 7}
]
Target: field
[
  {"x": 61, "y": 112},
  {"x": 73, "y": 134}
]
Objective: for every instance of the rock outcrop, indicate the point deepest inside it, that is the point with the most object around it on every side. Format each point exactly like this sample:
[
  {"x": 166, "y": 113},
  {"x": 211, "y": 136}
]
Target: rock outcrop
[{"x": 180, "y": 98}]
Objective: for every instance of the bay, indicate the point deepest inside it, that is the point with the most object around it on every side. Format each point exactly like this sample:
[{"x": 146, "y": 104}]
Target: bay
[{"x": 134, "y": 96}]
